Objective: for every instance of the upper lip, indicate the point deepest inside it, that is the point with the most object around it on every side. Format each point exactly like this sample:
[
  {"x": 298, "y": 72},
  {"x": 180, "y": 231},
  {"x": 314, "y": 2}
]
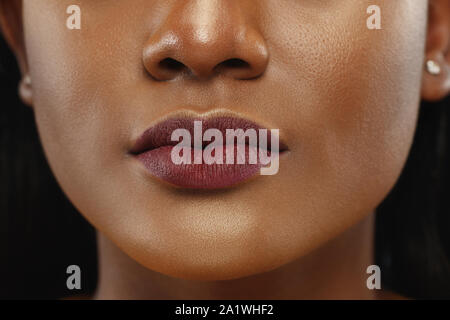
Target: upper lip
[{"x": 159, "y": 135}]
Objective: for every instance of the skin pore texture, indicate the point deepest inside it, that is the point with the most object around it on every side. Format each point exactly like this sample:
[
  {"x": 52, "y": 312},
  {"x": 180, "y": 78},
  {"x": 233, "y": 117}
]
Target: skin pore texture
[{"x": 344, "y": 97}]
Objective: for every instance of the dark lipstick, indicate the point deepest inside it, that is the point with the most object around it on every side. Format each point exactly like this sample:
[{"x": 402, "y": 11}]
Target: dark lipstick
[{"x": 154, "y": 147}]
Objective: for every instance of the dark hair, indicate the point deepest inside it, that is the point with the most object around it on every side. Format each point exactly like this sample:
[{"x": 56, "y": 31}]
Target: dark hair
[
  {"x": 412, "y": 243},
  {"x": 42, "y": 233}
]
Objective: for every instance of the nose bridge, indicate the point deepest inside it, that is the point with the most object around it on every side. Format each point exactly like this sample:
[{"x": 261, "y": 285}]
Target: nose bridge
[
  {"x": 205, "y": 32},
  {"x": 203, "y": 37},
  {"x": 209, "y": 20}
]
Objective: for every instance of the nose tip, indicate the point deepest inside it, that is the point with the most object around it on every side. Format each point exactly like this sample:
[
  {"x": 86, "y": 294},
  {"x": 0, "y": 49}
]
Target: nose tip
[
  {"x": 172, "y": 56},
  {"x": 186, "y": 49}
]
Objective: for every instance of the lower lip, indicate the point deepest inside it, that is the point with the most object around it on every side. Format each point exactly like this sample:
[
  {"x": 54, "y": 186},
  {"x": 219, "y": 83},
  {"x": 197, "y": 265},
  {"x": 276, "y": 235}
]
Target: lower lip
[{"x": 158, "y": 162}]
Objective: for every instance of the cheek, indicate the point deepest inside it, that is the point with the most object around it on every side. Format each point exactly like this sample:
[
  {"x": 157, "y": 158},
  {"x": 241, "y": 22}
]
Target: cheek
[
  {"x": 75, "y": 75},
  {"x": 375, "y": 97},
  {"x": 359, "y": 96},
  {"x": 352, "y": 103},
  {"x": 78, "y": 120}
]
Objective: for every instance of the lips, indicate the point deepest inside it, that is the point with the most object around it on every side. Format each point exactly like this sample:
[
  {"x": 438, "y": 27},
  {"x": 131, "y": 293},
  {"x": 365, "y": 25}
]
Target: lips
[{"x": 154, "y": 147}]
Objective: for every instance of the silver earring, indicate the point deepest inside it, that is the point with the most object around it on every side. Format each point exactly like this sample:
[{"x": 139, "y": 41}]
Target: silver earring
[{"x": 433, "y": 68}]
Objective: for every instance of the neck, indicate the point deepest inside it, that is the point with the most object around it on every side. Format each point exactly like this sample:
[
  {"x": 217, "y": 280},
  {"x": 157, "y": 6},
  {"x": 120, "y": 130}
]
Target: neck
[{"x": 337, "y": 270}]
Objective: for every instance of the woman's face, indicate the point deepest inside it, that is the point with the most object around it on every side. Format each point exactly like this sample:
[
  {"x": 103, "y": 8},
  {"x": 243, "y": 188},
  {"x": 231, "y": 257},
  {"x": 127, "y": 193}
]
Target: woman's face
[{"x": 345, "y": 99}]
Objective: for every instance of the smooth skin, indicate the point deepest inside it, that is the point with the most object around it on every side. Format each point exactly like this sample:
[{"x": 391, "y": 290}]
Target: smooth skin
[{"x": 344, "y": 97}]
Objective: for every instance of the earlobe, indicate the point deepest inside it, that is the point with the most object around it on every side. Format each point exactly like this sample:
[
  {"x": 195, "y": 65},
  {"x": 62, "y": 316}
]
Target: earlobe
[
  {"x": 26, "y": 90},
  {"x": 436, "y": 75},
  {"x": 12, "y": 29}
]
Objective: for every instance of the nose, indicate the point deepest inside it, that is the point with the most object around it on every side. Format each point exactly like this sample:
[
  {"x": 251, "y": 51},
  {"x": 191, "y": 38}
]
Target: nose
[{"x": 206, "y": 38}]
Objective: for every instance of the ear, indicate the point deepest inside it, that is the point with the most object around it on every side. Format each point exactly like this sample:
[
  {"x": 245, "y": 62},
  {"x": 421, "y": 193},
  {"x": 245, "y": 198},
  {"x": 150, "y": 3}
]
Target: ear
[
  {"x": 12, "y": 29},
  {"x": 436, "y": 79}
]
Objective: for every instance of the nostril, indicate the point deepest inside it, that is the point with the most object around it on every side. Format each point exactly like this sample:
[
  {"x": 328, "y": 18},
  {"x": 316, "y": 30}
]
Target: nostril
[
  {"x": 234, "y": 64},
  {"x": 238, "y": 69},
  {"x": 172, "y": 65}
]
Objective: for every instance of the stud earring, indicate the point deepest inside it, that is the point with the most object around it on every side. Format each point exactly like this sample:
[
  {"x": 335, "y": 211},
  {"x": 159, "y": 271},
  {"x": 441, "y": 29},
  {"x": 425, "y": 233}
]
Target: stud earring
[
  {"x": 27, "y": 80},
  {"x": 433, "y": 68}
]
